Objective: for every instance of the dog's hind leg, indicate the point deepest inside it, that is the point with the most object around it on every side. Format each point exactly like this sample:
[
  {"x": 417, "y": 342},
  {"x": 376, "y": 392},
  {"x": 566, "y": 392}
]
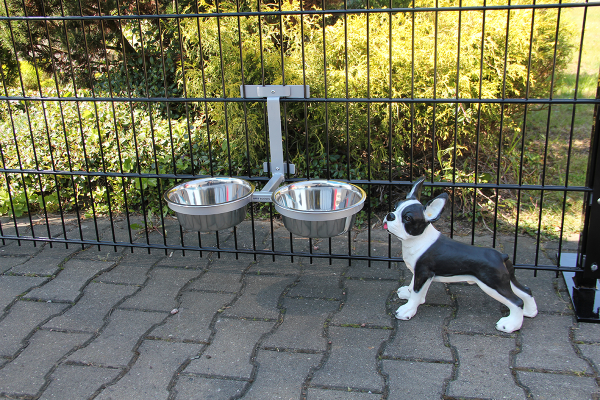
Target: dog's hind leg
[
  {"x": 408, "y": 310},
  {"x": 514, "y": 320},
  {"x": 529, "y": 306}
]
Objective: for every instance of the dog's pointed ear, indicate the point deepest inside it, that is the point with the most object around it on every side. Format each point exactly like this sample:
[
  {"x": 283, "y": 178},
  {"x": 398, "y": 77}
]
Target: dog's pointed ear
[
  {"x": 435, "y": 207},
  {"x": 415, "y": 191}
]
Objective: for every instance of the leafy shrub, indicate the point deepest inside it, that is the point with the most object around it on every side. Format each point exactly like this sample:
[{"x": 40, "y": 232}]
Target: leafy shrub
[
  {"x": 352, "y": 56},
  {"x": 355, "y": 56},
  {"x": 94, "y": 137}
]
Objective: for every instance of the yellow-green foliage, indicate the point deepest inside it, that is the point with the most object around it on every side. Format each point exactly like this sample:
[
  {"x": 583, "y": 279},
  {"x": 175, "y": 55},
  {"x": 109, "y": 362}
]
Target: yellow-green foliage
[
  {"x": 378, "y": 56},
  {"x": 31, "y": 78},
  {"x": 381, "y": 55}
]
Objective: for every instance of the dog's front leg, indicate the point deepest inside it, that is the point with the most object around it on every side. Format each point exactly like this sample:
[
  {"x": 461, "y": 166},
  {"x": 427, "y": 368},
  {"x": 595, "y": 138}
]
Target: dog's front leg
[
  {"x": 415, "y": 299},
  {"x": 405, "y": 291}
]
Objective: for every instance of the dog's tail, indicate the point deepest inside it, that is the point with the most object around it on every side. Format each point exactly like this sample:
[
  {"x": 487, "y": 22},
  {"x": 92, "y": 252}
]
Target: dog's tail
[{"x": 511, "y": 271}]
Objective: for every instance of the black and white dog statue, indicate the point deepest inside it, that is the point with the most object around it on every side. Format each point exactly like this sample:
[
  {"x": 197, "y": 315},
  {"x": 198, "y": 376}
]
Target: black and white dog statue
[{"x": 432, "y": 257}]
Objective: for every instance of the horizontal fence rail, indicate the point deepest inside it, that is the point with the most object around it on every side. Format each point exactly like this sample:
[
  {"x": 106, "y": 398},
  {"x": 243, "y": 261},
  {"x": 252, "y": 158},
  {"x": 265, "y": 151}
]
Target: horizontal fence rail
[{"x": 104, "y": 110}]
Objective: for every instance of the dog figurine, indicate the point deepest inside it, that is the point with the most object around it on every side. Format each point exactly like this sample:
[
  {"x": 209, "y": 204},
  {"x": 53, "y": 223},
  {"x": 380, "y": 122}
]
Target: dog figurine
[{"x": 432, "y": 257}]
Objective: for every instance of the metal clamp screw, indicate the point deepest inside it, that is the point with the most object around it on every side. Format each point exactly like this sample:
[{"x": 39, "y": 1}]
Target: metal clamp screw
[{"x": 594, "y": 267}]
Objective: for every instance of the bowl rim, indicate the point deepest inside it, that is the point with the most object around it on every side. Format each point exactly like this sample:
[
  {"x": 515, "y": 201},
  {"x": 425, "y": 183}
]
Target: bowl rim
[
  {"x": 320, "y": 215},
  {"x": 210, "y": 209}
]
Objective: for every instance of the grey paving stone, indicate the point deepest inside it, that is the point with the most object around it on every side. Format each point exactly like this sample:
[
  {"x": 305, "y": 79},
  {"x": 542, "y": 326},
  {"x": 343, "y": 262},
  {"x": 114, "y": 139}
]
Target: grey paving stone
[
  {"x": 232, "y": 266},
  {"x": 318, "y": 286},
  {"x": 479, "y": 240},
  {"x": 77, "y": 382},
  {"x": 231, "y": 349},
  {"x": 377, "y": 270},
  {"x": 302, "y": 327},
  {"x": 8, "y": 262},
  {"x": 546, "y": 345},
  {"x": 194, "y": 316},
  {"x": 260, "y": 296},
  {"x": 57, "y": 251},
  {"x": 43, "y": 266},
  {"x": 281, "y": 237},
  {"x": 141, "y": 256},
  {"x": 89, "y": 312},
  {"x": 244, "y": 234},
  {"x": 592, "y": 352},
  {"x": 12, "y": 286},
  {"x": 587, "y": 332},
  {"x": 23, "y": 318},
  {"x": 477, "y": 312},
  {"x": 280, "y": 375},
  {"x": 545, "y": 290},
  {"x": 556, "y": 386},
  {"x": 352, "y": 362},
  {"x": 127, "y": 274},
  {"x": 26, "y": 248},
  {"x": 366, "y": 303},
  {"x": 420, "y": 338},
  {"x": 219, "y": 281},
  {"x": 484, "y": 368},
  {"x": 149, "y": 377},
  {"x": 161, "y": 290},
  {"x": 378, "y": 246},
  {"x": 191, "y": 260},
  {"x": 410, "y": 380},
  {"x": 324, "y": 394},
  {"x": 281, "y": 266},
  {"x": 105, "y": 253},
  {"x": 115, "y": 345},
  {"x": 68, "y": 284},
  {"x": 335, "y": 265},
  {"x": 527, "y": 250},
  {"x": 54, "y": 226},
  {"x": 190, "y": 387},
  {"x": 89, "y": 228},
  {"x": 25, "y": 375},
  {"x": 8, "y": 225}
]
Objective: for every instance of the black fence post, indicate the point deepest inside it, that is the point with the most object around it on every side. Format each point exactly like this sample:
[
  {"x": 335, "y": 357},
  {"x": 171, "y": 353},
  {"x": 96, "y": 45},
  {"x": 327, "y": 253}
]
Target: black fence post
[{"x": 583, "y": 285}]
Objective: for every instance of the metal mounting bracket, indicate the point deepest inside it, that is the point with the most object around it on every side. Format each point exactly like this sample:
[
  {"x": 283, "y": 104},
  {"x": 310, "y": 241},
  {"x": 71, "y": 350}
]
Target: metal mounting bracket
[{"x": 277, "y": 166}]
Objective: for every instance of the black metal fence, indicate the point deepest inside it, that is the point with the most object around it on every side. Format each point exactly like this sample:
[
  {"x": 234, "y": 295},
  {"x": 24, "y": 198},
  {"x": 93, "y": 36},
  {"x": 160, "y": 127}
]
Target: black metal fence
[{"x": 105, "y": 105}]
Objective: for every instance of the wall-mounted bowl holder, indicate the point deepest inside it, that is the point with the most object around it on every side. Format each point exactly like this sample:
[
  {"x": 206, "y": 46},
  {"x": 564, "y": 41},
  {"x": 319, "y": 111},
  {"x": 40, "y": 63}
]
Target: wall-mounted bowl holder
[{"x": 318, "y": 208}]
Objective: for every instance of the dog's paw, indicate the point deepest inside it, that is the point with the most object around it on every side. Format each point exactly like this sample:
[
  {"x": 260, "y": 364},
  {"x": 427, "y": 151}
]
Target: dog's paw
[
  {"x": 405, "y": 313},
  {"x": 530, "y": 309},
  {"x": 509, "y": 324},
  {"x": 404, "y": 292}
]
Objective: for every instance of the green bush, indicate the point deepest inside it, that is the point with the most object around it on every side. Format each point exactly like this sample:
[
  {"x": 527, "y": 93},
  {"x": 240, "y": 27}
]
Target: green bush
[
  {"x": 331, "y": 53},
  {"x": 101, "y": 137},
  {"x": 338, "y": 61}
]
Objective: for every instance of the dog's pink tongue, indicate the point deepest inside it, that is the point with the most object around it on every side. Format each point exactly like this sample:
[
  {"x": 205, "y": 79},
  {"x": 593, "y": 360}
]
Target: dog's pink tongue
[{"x": 385, "y": 225}]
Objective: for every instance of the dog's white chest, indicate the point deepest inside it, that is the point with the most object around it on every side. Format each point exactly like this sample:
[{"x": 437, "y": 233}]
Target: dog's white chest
[{"x": 413, "y": 248}]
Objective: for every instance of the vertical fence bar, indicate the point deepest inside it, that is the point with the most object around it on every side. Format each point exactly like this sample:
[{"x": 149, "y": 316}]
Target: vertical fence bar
[{"x": 478, "y": 131}]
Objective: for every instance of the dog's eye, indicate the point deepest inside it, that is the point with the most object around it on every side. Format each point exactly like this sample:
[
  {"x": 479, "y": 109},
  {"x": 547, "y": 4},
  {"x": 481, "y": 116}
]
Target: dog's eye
[{"x": 407, "y": 218}]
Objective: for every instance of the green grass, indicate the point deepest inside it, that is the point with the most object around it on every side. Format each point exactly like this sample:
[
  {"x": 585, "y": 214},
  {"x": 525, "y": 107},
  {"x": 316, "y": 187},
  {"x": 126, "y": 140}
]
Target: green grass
[
  {"x": 559, "y": 126},
  {"x": 589, "y": 66}
]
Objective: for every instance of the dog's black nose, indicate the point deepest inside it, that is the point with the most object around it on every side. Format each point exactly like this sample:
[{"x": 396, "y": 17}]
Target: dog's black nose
[{"x": 391, "y": 217}]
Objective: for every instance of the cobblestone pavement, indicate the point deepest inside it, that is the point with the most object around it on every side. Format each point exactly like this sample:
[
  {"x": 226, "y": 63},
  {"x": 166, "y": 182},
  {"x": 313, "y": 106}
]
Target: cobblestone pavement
[{"x": 98, "y": 323}]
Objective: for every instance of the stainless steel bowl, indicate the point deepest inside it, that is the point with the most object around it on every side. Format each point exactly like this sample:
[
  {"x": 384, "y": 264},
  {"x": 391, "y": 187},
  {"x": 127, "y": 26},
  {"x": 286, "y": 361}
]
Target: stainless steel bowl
[
  {"x": 319, "y": 208},
  {"x": 210, "y": 204}
]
